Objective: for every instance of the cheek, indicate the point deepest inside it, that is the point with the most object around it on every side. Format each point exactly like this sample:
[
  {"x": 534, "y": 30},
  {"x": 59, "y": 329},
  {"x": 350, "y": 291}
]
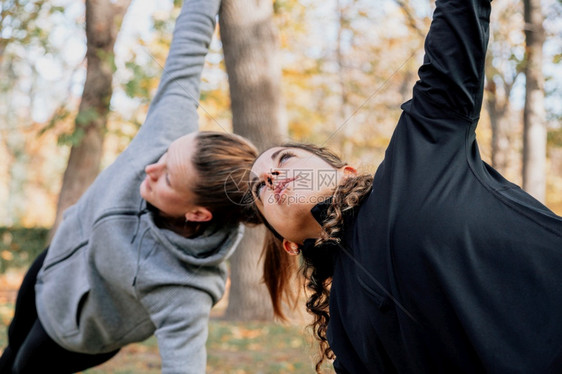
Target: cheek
[
  {"x": 164, "y": 194},
  {"x": 170, "y": 197}
]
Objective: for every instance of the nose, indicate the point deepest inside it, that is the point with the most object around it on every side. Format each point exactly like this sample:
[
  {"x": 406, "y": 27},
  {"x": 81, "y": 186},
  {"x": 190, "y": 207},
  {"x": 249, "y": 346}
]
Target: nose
[
  {"x": 153, "y": 171},
  {"x": 269, "y": 178}
]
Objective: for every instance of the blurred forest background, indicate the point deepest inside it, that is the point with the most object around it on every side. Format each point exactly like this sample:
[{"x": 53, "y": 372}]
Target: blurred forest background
[
  {"x": 337, "y": 72},
  {"x": 347, "y": 65}
]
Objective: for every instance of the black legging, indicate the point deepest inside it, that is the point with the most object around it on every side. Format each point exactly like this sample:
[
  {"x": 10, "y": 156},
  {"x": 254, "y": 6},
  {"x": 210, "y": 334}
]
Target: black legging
[{"x": 30, "y": 349}]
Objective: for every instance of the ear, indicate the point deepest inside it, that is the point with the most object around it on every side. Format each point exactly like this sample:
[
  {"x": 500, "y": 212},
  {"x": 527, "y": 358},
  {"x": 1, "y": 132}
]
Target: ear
[
  {"x": 291, "y": 248},
  {"x": 349, "y": 170},
  {"x": 199, "y": 214}
]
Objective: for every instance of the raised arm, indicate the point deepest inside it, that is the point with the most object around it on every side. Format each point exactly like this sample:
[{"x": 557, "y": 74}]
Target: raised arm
[
  {"x": 173, "y": 111},
  {"x": 452, "y": 75}
]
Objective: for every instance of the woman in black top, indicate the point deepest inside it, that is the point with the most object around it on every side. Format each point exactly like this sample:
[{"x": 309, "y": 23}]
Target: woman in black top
[{"x": 437, "y": 264}]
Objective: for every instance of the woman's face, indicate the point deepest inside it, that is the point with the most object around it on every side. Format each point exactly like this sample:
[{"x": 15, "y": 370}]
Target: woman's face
[
  {"x": 286, "y": 184},
  {"x": 167, "y": 181}
]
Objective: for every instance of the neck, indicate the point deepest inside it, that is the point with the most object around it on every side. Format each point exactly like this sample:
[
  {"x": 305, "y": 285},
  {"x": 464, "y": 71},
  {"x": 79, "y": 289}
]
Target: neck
[{"x": 178, "y": 224}]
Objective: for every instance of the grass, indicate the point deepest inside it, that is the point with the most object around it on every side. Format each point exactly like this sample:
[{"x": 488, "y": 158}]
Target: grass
[{"x": 232, "y": 348}]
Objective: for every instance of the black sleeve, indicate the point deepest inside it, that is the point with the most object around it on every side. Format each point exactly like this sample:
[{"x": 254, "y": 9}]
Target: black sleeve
[
  {"x": 452, "y": 74},
  {"x": 338, "y": 367}
]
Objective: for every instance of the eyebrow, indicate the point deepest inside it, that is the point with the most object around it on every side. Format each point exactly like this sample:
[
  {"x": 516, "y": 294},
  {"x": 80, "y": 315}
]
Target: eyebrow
[{"x": 276, "y": 153}]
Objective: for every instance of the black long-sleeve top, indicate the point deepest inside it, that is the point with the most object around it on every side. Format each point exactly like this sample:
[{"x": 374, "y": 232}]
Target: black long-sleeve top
[{"x": 447, "y": 267}]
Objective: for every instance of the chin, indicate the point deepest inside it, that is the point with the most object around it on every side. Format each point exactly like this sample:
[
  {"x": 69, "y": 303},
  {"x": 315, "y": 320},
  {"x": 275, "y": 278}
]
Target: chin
[
  {"x": 145, "y": 195},
  {"x": 143, "y": 192}
]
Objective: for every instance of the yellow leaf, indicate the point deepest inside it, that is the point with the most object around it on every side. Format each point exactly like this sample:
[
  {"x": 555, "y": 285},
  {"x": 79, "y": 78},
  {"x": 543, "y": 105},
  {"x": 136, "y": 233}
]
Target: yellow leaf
[{"x": 7, "y": 255}]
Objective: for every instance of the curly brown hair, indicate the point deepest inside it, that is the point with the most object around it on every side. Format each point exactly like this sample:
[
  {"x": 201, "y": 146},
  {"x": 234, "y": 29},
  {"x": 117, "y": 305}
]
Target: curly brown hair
[{"x": 317, "y": 257}]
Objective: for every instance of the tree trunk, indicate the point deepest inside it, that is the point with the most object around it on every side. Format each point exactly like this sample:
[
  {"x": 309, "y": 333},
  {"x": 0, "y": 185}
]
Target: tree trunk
[
  {"x": 103, "y": 21},
  {"x": 249, "y": 40},
  {"x": 498, "y": 108},
  {"x": 534, "y": 118},
  {"x": 248, "y": 298}
]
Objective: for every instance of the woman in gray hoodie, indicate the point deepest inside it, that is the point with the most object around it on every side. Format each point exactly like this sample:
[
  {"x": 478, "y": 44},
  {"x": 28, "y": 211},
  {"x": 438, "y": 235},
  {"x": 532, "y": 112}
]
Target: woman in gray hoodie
[{"x": 143, "y": 250}]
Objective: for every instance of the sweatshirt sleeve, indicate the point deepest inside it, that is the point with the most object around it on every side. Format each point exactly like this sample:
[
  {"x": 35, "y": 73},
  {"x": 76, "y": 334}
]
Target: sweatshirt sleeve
[
  {"x": 173, "y": 110},
  {"x": 452, "y": 74},
  {"x": 182, "y": 329}
]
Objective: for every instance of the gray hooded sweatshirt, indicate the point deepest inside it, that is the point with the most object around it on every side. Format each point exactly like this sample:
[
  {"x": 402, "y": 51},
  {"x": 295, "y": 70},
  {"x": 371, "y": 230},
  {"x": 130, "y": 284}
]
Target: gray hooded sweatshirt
[{"x": 111, "y": 276}]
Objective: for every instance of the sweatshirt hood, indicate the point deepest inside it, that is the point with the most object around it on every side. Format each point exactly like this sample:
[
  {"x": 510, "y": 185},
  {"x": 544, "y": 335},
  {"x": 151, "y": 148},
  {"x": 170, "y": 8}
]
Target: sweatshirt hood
[{"x": 213, "y": 246}]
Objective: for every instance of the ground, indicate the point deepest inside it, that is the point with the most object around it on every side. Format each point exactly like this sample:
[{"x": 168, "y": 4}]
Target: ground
[{"x": 232, "y": 347}]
